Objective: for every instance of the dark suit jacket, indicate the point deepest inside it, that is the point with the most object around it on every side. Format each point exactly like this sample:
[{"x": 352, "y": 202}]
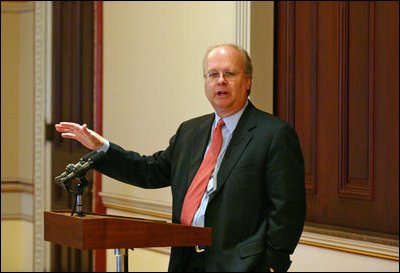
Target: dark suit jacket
[{"x": 258, "y": 209}]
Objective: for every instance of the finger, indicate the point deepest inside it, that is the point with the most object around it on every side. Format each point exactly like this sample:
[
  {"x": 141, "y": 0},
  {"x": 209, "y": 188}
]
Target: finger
[
  {"x": 58, "y": 128},
  {"x": 68, "y": 135},
  {"x": 87, "y": 131},
  {"x": 69, "y": 125},
  {"x": 85, "y": 128},
  {"x": 62, "y": 129}
]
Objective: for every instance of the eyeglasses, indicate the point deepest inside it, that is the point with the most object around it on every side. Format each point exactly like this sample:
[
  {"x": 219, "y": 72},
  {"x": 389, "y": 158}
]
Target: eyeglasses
[{"x": 214, "y": 75}]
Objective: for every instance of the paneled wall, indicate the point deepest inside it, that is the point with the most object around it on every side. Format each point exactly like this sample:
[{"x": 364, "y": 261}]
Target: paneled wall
[{"x": 338, "y": 85}]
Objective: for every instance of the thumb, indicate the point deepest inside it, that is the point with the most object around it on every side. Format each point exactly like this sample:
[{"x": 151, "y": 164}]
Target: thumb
[{"x": 86, "y": 130}]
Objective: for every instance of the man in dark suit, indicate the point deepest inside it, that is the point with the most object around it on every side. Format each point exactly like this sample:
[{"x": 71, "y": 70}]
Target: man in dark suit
[{"x": 254, "y": 198}]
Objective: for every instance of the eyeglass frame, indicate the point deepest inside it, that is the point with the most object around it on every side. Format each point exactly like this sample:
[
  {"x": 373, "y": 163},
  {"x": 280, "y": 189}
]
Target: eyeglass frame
[{"x": 228, "y": 75}]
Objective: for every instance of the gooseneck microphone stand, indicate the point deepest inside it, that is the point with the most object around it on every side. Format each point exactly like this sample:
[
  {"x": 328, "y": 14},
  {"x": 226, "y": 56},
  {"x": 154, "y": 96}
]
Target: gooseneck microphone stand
[
  {"x": 78, "y": 171},
  {"x": 65, "y": 182},
  {"x": 78, "y": 196}
]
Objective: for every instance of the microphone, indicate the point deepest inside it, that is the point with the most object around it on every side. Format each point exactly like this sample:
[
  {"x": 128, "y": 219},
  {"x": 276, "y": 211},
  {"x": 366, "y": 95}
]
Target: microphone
[{"x": 78, "y": 170}]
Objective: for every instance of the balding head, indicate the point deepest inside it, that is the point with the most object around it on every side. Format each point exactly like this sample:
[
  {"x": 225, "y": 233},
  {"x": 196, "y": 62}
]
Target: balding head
[{"x": 247, "y": 65}]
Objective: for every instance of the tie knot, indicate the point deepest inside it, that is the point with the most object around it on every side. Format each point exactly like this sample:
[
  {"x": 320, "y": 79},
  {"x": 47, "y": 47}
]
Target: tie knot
[{"x": 220, "y": 123}]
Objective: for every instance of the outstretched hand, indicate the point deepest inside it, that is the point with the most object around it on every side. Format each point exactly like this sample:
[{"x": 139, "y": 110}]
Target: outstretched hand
[{"x": 81, "y": 133}]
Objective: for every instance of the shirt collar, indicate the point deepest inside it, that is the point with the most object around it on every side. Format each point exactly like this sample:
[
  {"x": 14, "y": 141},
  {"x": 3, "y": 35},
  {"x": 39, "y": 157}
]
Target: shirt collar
[{"x": 232, "y": 120}]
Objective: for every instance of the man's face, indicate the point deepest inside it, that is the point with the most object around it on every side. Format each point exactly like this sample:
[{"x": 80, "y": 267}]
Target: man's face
[{"x": 225, "y": 83}]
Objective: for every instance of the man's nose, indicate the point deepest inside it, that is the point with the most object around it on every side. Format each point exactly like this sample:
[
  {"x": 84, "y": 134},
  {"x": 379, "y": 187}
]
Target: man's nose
[{"x": 221, "y": 78}]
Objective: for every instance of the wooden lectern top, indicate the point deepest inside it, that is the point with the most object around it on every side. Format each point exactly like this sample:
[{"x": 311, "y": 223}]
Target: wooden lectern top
[{"x": 101, "y": 231}]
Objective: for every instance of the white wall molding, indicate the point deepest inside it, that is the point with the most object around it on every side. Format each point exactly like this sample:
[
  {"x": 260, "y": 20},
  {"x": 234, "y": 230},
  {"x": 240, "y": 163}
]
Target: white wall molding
[
  {"x": 42, "y": 53},
  {"x": 350, "y": 245},
  {"x": 16, "y": 179},
  {"x": 15, "y": 185},
  {"x": 16, "y": 203},
  {"x": 130, "y": 204},
  {"x": 243, "y": 13},
  {"x": 17, "y": 216}
]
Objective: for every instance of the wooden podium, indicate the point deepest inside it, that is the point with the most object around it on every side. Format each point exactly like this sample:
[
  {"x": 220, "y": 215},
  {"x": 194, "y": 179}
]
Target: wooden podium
[{"x": 101, "y": 231}]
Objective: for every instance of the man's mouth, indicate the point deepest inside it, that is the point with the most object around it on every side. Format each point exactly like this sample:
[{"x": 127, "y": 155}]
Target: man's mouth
[{"x": 221, "y": 93}]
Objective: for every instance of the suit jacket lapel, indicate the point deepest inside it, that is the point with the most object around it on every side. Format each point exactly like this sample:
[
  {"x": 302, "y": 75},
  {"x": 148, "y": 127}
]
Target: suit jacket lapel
[
  {"x": 240, "y": 139},
  {"x": 199, "y": 145}
]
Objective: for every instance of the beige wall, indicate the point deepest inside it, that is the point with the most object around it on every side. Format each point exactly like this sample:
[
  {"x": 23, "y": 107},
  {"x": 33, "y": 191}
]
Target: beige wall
[
  {"x": 17, "y": 92},
  {"x": 16, "y": 246},
  {"x": 262, "y": 53},
  {"x": 17, "y": 148}
]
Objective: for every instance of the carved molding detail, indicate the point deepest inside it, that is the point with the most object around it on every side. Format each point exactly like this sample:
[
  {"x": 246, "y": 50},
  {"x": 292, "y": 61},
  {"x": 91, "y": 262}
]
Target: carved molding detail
[
  {"x": 243, "y": 24},
  {"x": 42, "y": 51}
]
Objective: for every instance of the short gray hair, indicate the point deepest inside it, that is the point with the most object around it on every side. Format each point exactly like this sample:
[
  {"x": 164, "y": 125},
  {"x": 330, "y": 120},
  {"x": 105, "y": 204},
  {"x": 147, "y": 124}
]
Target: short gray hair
[{"x": 248, "y": 66}]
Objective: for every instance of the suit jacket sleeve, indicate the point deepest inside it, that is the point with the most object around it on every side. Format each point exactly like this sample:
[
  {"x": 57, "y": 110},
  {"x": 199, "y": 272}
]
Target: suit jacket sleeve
[{"x": 139, "y": 170}]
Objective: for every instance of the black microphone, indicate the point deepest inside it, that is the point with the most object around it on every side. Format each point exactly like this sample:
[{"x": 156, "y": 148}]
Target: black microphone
[{"x": 86, "y": 163}]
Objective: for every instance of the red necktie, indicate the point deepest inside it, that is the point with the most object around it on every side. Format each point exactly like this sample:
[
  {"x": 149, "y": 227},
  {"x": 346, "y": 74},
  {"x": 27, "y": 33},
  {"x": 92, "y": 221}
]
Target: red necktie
[{"x": 202, "y": 177}]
